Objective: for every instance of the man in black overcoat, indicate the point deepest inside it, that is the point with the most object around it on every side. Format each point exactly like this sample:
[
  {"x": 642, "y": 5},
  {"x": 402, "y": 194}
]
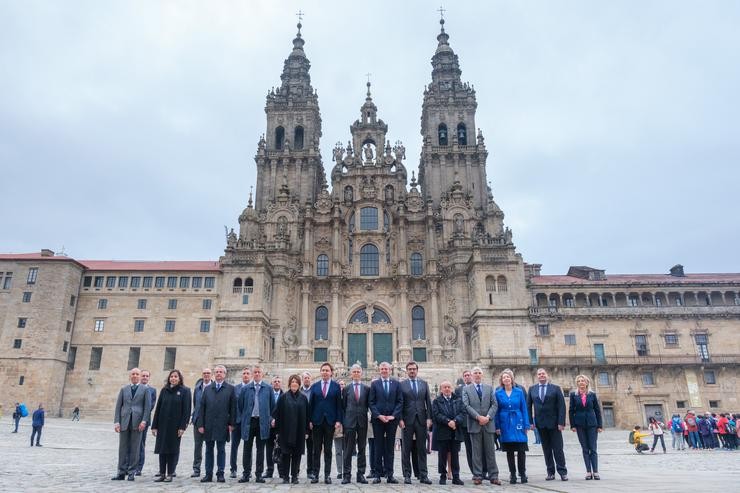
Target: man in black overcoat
[
  {"x": 546, "y": 407},
  {"x": 216, "y": 420}
]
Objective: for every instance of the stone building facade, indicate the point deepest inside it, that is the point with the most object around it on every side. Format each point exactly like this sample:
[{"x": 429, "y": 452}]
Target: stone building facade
[{"x": 378, "y": 267}]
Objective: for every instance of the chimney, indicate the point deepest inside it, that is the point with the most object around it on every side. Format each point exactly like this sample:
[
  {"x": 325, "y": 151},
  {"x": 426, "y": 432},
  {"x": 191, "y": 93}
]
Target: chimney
[
  {"x": 677, "y": 271},
  {"x": 45, "y": 252}
]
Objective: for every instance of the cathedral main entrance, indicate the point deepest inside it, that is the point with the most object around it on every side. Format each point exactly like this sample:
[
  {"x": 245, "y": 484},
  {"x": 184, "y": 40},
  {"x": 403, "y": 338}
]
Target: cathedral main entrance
[{"x": 369, "y": 325}]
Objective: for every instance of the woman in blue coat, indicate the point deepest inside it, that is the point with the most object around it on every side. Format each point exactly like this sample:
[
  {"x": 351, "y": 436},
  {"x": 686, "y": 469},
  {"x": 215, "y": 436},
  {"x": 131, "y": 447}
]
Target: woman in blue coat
[{"x": 512, "y": 424}]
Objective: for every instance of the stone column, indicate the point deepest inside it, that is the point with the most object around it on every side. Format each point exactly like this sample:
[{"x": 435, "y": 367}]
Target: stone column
[
  {"x": 404, "y": 346},
  {"x": 436, "y": 349},
  {"x": 304, "y": 350},
  {"x": 335, "y": 336}
]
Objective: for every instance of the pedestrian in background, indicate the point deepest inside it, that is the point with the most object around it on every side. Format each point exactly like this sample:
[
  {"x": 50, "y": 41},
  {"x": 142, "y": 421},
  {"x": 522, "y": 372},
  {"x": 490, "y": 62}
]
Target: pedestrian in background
[
  {"x": 656, "y": 428},
  {"x": 76, "y": 413},
  {"x": 38, "y": 424},
  {"x": 17, "y": 416}
]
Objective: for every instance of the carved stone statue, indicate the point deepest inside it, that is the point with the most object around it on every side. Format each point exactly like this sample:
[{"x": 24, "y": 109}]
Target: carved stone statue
[
  {"x": 338, "y": 154},
  {"x": 368, "y": 151},
  {"x": 389, "y": 194},
  {"x": 348, "y": 195},
  {"x": 282, "y": 226},
  {"x": 290, "y": 334},
  {"x": 400, "y": 151},
  {"x": 507, "y": 235},
  {"x": 459, "y": 224},
  {"x": 231, "y": 238},
  {"x": 450, "y": 332}
]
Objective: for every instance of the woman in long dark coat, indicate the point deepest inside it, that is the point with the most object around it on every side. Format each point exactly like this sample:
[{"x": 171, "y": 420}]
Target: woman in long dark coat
[
  {"x": 290, "y": 418},
  {"x": 171, "y": 417}
]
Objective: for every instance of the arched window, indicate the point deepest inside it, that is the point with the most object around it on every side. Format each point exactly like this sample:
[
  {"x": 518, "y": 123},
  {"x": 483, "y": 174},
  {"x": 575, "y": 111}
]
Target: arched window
[
  {"x": 279, "y": 138},
  {"x": 462, "y": 134},
  {"x": 359, "y": 317},
  {"x": 238, "y": 282},
  {"x": 442, "y": 134},
  {"x": 490, "y": 284},
  {"x": 369, "y": 265},
  {"x": 380, "y": 317},
  {"x": 501, "y": 284},
  {"x": 322, "y": 265},
  {"x": 417, "y": 267},
  {"x": 418, "y": 325},
  {"x": 248, "y": 282},
  {"x": 298, "y": 138},
  {"x": 369, "y": 219},
  {"x": 321, "y": 325}
]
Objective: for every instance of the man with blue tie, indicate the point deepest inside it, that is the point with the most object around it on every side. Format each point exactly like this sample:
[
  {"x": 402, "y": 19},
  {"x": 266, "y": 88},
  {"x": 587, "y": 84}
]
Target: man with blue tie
[
  {"x": 546, "y": 407},
  {"x": 386, "y": 405},
  {"x": 215, "y": 421},
  {"x": 325, "y": 417},
  {"x": 354, "y": 408},
  {"x": 236, "y": 433},
  {"x": 276, "y": 393},
  {"x": 255, "y": 412},
  {"x": 416, "y": 420}
]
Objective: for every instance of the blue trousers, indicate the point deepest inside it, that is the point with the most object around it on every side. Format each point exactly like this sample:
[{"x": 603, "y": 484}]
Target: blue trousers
[
  {"x": 587, "y": 438},
  {"x": 220, "y": 457}
]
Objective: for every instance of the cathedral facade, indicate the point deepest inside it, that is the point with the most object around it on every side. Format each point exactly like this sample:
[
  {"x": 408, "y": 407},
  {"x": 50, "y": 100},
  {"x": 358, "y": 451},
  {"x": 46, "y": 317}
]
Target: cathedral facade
[{"x": 377, "y": 265}]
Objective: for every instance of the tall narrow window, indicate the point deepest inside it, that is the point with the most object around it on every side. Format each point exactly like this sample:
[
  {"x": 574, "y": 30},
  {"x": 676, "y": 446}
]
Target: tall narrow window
[
  {"x": 462, "y": 134},
  {"x": 134, "y": 354},
  {"x": 369, "y": 264},
  {"x": 368, "y": 219},
  {"x": 138, "y": 325},
  {"x": 298, "y": 139},
  {"x": 279, "y": 138},
  {"x": 33, "y": 273},
  {"x": 417, "y": 267},
  {"x": 501, "y": 284},
  {"x": 322, "y": 265},
  {"x": 96, "y": 356},
  {"x": 72, "y": 358},
  {"x": 702, "y": 346},
  {"x": 641, "y": 345},
  {"x": 418, "y": 324},
  {"x": 321, "y": 326},
  {"x": 442, "y": 134},
  {"x": 170, "y": 355}
]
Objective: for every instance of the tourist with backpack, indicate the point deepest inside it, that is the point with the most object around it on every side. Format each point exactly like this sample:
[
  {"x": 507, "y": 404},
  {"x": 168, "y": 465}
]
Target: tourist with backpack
[
  {"x": 692, "y": 426},
  {"x": 677, "y": 430},
  {"x": 656, "y": 428},
  {"x": 636, "y": 437},
  {"x": 722, "y": 430}
]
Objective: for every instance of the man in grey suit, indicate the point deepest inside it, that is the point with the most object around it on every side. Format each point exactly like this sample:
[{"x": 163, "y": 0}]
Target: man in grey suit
[
  {"x": 354, "y": 409},
  {"x": 481, "y": 406},
  {"x": 144, "y": 381},
  {"x": 416, "y": 419},
  {"x": 132, "y": 408},
  {"x": 236, "y": 433}
]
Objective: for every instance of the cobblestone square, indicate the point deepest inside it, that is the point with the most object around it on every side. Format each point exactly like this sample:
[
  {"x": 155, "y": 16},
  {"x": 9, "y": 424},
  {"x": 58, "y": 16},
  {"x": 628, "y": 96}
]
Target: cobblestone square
[{"x": 82, "y": 456}]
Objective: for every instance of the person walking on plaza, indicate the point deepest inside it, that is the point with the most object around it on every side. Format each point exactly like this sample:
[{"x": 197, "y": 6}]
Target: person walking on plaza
[
  {"x": 325, "y": 416},
  {"x": 386, "y": 405},
  {"x": 236, "y": 432},
  {"x": 37, "y": 423},
  {"x": 290, "y": 419},
  {"x": 200, "y": 386},
  {"x": 416, "y": 420},
  {"x": 171, "y": 416},
  {"x": 17, "y": 416},
  {"x": 145, "y": 375},
  {"x": 132, "y": 408},
  {"x": 481, "y": 406},
  {"x": 254, "y": 410},
  {"x": 584, "y": 413},
  {"x": 76, "y": 413},
  {"x": 448, "y": 414},
  {"x": 215, "y": 421},
  {"x": 546, "y": 408},
  {"x": 657, "y": 429},
  {"x": 677, "y": 432},
  {"x": 277, "y": 391},
  {"x": 354, "y": 425},
  {"x": 512, "y": 424}
]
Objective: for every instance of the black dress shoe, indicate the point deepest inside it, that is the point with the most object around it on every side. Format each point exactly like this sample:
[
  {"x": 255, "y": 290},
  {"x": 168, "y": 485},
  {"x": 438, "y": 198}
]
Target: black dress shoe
[
  {"x": 314, "y": 480},
  {"x": 233, "y": 474},
  {"x": 196, "y": 474},
  {"x": 550, "y": 477},
  {"x": 512, "y": 479},
  {"x": 392, "y": 480},
  {"x": 443, "y": 480},
  {"x": 523, "y": 480},
  {"x": 244, "y": 479},
  {"x": 160, "y": 479},
  {"x": 137, "y": 473},
  {"x": 131, "y": 477},
  {"x": 361, "y": 479},
  {"x": 458, "y": 481},
  {"x": 286, "y": 481},
  {"x": 425, "y": 480},
  {"x": 118, "y": 477},
  {"x": 327, "y": 480},
  {"x": 220, "y": 478},
  {"x": 259, "y": 479},
  {"x": 268, "y": 474},
  {"x": 168, "y": 479},
  {"x": 346, "y": 481},
  {"x": 405, "y": 481},
  {"x": 375, "y": 480},
  {"x": 564, "y": 477},
  {"x": 339, "y": 476},
  {"x": 206, "y": 479},
  {"x": 295, "y": 481}
]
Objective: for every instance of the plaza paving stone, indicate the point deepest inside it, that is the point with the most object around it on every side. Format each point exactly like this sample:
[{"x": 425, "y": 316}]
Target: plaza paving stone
[{"x": 82, "y": 456}]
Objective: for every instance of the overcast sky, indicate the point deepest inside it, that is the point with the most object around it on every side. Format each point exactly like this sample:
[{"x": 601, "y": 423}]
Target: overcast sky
[{"x": 128, "y": 129}]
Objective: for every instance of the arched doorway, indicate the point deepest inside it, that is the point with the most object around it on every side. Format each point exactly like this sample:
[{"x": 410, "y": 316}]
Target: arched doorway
[{"x": 369, "y": 324}]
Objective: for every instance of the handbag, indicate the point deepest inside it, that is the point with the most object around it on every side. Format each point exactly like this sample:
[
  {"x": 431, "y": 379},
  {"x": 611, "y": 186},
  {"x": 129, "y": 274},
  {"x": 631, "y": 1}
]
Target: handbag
[{"x": 277, "y": 454}]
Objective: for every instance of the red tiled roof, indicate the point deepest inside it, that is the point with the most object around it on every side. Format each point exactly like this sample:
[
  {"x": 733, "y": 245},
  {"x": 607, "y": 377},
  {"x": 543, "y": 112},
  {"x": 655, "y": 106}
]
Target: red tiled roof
[
  {"x": 645, "y": 279},
  {"x": 122, "y": 265}
]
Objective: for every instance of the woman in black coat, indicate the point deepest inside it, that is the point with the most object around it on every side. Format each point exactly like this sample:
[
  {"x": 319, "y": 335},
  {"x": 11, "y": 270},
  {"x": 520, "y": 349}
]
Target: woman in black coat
[
  {"x": 171, "y": 417},
  {"x": 290, "y": 419},
  {"x": 448, "y": 414},
  {"x": 585, "y": 419}
]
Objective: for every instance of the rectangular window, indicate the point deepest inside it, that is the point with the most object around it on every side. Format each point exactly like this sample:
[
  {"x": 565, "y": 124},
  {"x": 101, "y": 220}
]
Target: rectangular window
[
  {"x": 709, "y": 377},
  {"x": 197, "y": 282},
  {"x": 72, "y": 358},
  {"x": 648, "y": 378},
  {"x": 72, "y": 300},
  {"x": 320, "y": 354},
  {"x": 99, "y": 281},
  {"x": 33, "y": 273},
  {"x": 110, "y": 282},
  {"x": 172, "y": 282},
  {"x": 99, "y": 325},
  {"x": 632, "y": 301},
  {"x": 210, "y": 282},
  {"x": 553, "y": 303},
  {"x": 170, "y": 355},
  {"x": 369, "y": 219},
  {"x": 702, "y": 346},
  {"x": 420, "y": 354},
  {"x": 242, "y": 352},
  {"x": 96, "y": 356},
  {"x": 245, "y": 299},
  {"x": 604, "y": 379},
  {"x": 122, "y": 281},
  {"x": 714, "y": 404},
  {"x": 172, "y": 304},
  {"x": 146, "y": 282},
  {"x": 599, "y": 353},
  {"x": 65, "y": 346},
  {"x": 641, "y": 345},
  {"x": 159, "y": 282},
  {"x": 205, "y": 325},
  {"x": 27, "y": 297},
  {"x": 570, "y": 339},
  {"x": 139, "y": 325},
  {"x": 681, "y": 404},
  {"x": 169, "y": 325},
  {"x": 8, "y": 280},
  {"x": 543, "y": 329},
  {"x": 22, "y": 322},
  {"x": 87, "y": 281},
  {"x": 21, "y": 380},
  {"x": 658, "y": 301},
  {"x": 671, "y": 339},
  {"x": 133, "y": 357},
  {"x": 533, "y": 359},
  {"x": 102, "y": 304},
  {"x": 184, "y": 282},
  {"x": 206, "y": 304},
  {"x": 69, "y": 326},
  {"x": 135, "y": 281},
  {"x": 568, "y": 303},
  {"x": 141, "y": 304},
  {"x": 17, "y": 343}
]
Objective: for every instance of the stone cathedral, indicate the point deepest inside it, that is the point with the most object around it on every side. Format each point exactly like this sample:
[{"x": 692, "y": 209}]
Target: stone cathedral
[{"x": 364, "y": 260}]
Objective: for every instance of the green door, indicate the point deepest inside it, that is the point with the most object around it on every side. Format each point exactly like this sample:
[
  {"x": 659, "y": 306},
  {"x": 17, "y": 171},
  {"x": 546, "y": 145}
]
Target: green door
[
  {"x": 357, "y": 350},
  {"x": 383, "y": 347}
]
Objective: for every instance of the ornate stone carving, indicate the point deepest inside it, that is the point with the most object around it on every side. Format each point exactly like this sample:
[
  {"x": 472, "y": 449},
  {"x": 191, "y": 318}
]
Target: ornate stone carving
[
  {"x": 449, "y": 336},
  {"x": 322, "y": 244},
  {"x": 290, "y": 333},
  {"x": 323, "y": 203},
  {"x": 369, "y": 189}
]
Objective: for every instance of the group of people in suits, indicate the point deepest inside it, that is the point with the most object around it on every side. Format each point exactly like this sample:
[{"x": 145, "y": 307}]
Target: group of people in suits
[{"x": 306, "y": 418}]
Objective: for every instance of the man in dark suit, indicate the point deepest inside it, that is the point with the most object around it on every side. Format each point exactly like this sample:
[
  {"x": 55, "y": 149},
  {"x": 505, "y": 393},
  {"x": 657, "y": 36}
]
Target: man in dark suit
[
  {"x": 144, "y": 380},
  {"x": 216, "y": 420},
  {"x": 416, "y": 420},
  {"x": 325, "y": 416},
  {"x": 386, "y": 405},
  {"x": 236, "y": 433},
  {"x": 306, "y": 390},
  {"x": 200, "y": 385},
  {"x": 546, "y": 407},
  {"x": 255, "y": 414},
  {"x": 467, "y": 379},
  {"x": 354, "y": 408},
  {"x": 277, "y": 391},
  {"x": 132, "y": 408}
]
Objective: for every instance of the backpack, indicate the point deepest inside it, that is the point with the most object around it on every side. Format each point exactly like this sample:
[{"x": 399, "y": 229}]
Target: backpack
[
  {"x": 676, "y": 426},
  {"x": 631, "y": 438},
  {"x": 731, "y": 428},
  {"x": 24, "y": 410}
]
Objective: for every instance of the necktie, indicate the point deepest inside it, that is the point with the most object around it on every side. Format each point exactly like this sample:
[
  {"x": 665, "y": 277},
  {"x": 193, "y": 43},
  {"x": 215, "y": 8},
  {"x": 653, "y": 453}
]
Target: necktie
[
  {"x": 357, "y": 393},
  {"x": 218, "y": 387},
  {"x": 385, "y": 386},
  {"x": 480, "y": 392},
  {"x": 324, "y": 391},
  {"x": 542, "y": 393},
  {"x": 133, "y": 390},
  {"x": 256, "y": 405},
  {"x": 413, "y": 385},
  {"x": 277, "y": 394}
]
